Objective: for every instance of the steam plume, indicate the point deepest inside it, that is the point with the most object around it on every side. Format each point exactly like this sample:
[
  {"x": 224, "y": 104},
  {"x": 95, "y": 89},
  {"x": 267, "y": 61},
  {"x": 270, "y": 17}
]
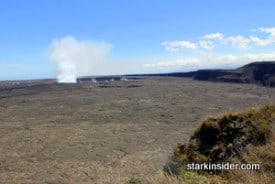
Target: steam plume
[{"x": 73, "y": 58}]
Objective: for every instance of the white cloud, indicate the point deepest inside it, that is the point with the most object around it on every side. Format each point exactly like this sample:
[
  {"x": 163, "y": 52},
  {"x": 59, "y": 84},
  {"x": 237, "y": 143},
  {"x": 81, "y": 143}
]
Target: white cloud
[
  {"x": 267, "y": 41},
  {"x": 238, "y": 42},
  {"x": 213, "y": 40},
  {"x": 174, "y": 63},
  {"x": 261, "y": 37},
  {"x": 178, "y": 45},
  {"x": 214, "y": 36},
  {"x": 270, "y": 31},
  {"x": 206, "y": 44},
  {"x": 210, "y": 61},
  {"x": 259, "y": 42}
]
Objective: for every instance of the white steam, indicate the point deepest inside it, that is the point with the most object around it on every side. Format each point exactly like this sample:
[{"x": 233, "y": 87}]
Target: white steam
[{"x": 73, "y": 58}]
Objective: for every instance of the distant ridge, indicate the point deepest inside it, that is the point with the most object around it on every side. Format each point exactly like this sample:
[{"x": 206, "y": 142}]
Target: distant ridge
[{"x": 260, "y": 73}]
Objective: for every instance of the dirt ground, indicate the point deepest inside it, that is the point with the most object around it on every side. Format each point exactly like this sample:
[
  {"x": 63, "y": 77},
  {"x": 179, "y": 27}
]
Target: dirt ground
[{"x": 105, "y": 132}]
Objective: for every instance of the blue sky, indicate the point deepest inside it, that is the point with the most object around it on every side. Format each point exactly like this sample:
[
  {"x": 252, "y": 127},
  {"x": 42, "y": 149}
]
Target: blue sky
[{"x": 134, "y": 36}]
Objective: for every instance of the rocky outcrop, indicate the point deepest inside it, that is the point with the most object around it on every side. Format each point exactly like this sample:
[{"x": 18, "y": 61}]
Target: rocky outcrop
[{"x": 229, "y": 138}]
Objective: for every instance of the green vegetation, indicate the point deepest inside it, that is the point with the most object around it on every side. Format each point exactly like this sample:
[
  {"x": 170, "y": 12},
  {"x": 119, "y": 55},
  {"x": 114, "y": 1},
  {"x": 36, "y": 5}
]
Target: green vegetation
[{"x": 240, "y": 138}]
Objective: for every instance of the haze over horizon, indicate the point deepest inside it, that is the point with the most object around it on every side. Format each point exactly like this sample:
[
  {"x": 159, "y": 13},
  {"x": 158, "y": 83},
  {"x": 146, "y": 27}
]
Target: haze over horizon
[{"x": 48, "y": 39}]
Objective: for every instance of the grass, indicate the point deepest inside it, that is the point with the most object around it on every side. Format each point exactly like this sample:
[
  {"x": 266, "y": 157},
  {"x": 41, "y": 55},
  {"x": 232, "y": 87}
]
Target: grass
[{"x": 244, "y": 137}]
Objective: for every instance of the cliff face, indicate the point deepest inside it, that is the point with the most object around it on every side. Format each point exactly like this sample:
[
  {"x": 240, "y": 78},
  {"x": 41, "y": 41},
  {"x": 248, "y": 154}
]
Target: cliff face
[{"x": 261, "y": 73}]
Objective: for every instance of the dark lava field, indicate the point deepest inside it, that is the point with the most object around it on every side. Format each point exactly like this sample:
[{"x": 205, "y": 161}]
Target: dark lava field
[{"x": 100, "y": 132}]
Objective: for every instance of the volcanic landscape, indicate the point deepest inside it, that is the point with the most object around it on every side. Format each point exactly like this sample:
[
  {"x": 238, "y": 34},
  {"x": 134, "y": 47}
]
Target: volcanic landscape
[{"x": 100, "y": 132}]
